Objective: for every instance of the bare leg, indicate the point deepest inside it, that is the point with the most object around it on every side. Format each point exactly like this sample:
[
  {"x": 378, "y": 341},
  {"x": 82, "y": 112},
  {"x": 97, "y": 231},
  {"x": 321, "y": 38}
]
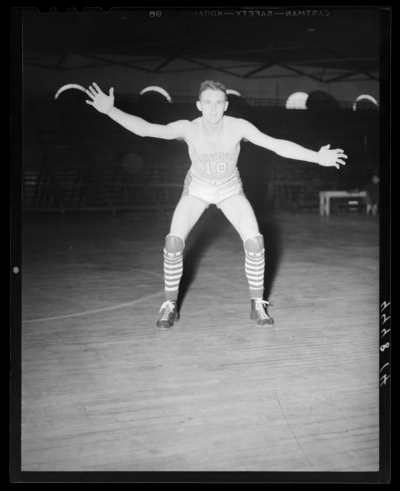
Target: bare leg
[
  {"x": 239, "y": 212},
  {"x": 186, "y": 215}
]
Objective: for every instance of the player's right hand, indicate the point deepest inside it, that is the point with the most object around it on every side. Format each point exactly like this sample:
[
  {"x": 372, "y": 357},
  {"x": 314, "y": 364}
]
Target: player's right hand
[{"x": 100, "y": 101}]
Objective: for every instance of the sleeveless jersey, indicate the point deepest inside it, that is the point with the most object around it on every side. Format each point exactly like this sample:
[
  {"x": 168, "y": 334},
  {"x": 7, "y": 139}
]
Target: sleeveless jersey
[{"x": 216, "y": 161}]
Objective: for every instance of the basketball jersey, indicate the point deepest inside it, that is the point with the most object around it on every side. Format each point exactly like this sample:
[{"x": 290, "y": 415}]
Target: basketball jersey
[{"x": 214, "y": 161}]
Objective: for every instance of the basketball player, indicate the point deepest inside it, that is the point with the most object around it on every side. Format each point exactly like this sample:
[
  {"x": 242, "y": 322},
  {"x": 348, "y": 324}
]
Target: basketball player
[{"x": 213, "y": 142}]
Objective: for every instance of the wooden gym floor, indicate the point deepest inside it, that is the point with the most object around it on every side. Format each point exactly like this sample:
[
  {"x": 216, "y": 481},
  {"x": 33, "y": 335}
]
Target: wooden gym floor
[{"x": 104, "y": 390}]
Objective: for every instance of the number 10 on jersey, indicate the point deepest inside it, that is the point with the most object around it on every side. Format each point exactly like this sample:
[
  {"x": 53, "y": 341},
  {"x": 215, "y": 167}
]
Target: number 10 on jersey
[{"x": 220, "y": 168}]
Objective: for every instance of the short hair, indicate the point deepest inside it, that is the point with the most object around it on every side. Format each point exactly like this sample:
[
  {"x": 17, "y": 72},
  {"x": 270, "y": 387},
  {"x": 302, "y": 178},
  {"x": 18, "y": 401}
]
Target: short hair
[{"x": 211, "y": 84}]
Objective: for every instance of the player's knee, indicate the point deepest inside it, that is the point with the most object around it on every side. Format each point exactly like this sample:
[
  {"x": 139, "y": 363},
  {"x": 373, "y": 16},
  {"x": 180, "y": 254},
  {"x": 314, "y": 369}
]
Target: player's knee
[
  {"x": 174, "y": 246},
  {"x": 254, "y": 246}
]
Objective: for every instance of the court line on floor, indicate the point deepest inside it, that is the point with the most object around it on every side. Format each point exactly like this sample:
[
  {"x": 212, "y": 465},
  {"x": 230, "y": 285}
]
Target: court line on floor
[
  {"x": 290, "y": 428},
  {"x": 105, "y": 309},
  {"x": 97, "y": 311}
]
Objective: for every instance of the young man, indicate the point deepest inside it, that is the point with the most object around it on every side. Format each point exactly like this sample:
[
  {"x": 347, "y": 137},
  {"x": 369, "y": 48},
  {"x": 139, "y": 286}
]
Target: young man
[{"x": 213, "y": 142}]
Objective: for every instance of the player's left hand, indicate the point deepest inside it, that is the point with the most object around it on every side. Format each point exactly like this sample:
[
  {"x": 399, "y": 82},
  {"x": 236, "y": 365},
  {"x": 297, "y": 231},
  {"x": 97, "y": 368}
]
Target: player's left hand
[{"x": 331, "y": 158}]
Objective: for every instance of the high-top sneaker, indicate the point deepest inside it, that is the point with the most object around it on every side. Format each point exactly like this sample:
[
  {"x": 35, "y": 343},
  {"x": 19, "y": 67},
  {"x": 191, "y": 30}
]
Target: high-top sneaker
[
  {"x": 170, "y": 315},
  {"x": 259, "y": 312}
]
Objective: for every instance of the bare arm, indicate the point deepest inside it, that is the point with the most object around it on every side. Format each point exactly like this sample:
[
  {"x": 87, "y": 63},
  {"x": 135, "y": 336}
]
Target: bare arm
[
  {"x": 105, "y": 104},
  {"x": 290, "y": 150}
]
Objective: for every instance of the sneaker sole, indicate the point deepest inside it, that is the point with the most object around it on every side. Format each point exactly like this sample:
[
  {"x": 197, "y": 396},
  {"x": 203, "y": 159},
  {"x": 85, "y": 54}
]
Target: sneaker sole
[
  {"x": 262, "y": 325},
  {"x": 162, "y": 328}
]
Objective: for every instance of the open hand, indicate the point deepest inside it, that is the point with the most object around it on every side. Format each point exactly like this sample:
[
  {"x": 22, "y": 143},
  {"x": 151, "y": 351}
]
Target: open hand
[
  {"x": 100, "y": 101},
  {"x": 331, "y": 158}
]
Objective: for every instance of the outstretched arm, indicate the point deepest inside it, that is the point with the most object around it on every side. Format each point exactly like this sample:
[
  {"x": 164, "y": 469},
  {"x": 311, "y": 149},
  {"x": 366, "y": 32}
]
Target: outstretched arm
[
  {"x": 105, "y": 104},
  {"x": 290, "y": 150}
]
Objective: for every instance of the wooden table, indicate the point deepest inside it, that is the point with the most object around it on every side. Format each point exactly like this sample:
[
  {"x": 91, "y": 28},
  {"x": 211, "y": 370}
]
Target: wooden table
[{"x": 325, "y": 197}]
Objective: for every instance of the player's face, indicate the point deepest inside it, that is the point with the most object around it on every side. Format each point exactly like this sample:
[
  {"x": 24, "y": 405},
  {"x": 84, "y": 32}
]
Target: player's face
[{"x": 212, "y": 104}]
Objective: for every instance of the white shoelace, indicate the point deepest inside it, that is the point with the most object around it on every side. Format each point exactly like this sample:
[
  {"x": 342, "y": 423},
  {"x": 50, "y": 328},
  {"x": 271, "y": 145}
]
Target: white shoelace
[
  {"x": 169, "y": 309},
  {"x": 260, "y": 308}
]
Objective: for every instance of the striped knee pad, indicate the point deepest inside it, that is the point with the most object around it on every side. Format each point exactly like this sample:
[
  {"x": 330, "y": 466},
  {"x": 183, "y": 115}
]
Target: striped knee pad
[
  {"x": 255, "y": 265},
  {"x": 173, "y": 265}
]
